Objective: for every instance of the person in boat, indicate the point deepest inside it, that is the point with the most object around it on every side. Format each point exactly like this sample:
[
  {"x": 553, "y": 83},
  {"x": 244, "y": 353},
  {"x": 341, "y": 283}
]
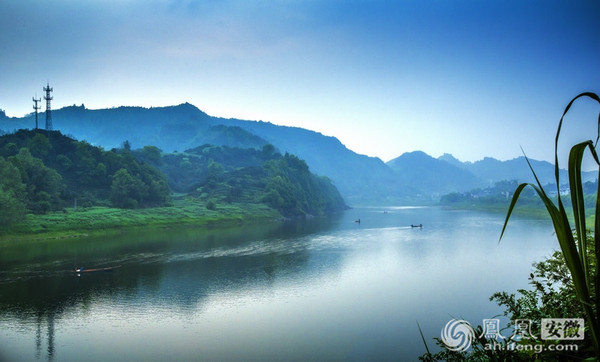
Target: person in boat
[{"x": 357, "y": 221}]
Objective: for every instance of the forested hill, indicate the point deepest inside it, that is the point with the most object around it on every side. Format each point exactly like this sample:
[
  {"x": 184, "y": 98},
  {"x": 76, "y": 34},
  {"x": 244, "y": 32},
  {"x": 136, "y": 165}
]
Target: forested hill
[
  {"x": 412, "y": 178},
  {"x": 42, "y": 171},
  {"x": 174, "y": 128},
  {"x": 221, "y": 174},
  {"x": 359, "y": 178}
]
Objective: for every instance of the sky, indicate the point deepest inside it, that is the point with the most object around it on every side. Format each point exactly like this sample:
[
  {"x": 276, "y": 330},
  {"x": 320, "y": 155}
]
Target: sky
[{"x": 472, "y": 78}]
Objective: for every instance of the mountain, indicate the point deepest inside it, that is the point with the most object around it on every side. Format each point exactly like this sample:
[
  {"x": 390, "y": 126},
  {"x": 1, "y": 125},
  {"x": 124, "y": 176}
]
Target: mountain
[
  {"x": 360, "y": 179},
  {"x": 173, "y": 128},
  {"x": 446, "y": 157},
  {"x": 427, "y": 174},
  {"x": 409, "y": 179},
  {"x": 43, "y": 171},
  {"x": 246, "y": 175},
  {"x": 490, "y": 170},
  {"x": 434, "y": 177}
]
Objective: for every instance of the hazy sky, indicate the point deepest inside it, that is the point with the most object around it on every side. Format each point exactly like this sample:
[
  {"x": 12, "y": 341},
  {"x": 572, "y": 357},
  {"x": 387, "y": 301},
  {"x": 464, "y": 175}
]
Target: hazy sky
[{"x": 472, "y": 78}]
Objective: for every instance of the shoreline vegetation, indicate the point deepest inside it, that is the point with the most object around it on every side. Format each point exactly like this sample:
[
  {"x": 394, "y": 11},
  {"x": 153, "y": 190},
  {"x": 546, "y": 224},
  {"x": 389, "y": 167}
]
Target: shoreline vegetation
[
  {"x": 95, "y": 220},
  {"x": 52, "y": 185},
  {"x": 500, "y": 208},
  {"x": 497, "y": 199},
  {"x": 525, "y": 210}
]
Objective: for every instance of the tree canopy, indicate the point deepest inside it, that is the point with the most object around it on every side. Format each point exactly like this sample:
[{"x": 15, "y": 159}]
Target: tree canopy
[{"x": 57, "y": 170}]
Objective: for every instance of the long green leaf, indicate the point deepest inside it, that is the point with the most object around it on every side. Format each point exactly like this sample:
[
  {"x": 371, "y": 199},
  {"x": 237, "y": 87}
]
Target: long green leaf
[
  {"x": 567, "y": 245},
  {"x": 562, "y": 229},
  {"x": 592, "y": 315},
  {"x": 424, "y": 341},
  {"x": 564, "y": 236},
  {"x": 577, "y": 200},
  {"x": 513, "y": 202},
  {"x": 591, "y": 95},
  {"x": 597, "y": 247}
]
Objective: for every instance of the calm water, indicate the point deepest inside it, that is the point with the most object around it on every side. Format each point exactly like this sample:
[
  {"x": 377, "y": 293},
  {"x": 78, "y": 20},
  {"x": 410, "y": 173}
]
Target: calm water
[{"x": 322, "y": 289}]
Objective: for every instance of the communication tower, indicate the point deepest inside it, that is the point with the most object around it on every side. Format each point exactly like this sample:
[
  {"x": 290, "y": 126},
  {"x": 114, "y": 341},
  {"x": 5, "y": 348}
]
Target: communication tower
[
  {"x": 48, "y": 98},
  {"x": 36, "y": 108}
]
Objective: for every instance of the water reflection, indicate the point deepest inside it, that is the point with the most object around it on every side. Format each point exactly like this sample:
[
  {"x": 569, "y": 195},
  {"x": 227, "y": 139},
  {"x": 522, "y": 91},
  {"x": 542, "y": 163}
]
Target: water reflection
[
  {"x": 178, "y": 269},
  {"x": 323, "y": 289}
]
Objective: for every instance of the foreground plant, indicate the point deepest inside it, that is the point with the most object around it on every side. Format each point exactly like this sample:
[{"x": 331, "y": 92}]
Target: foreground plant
[
  {"x": 551, "y": 296},
  {"x": 573, "y": 242}
]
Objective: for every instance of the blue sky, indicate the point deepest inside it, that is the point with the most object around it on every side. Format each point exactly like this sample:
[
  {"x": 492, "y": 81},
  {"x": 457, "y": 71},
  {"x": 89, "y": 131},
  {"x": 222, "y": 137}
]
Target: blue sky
[{"x": 471, "y": 78}]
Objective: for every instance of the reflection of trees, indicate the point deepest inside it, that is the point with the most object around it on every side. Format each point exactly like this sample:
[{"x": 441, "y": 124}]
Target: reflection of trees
[
  {"x": 179, "y": 269},
  {"x": 45, "y": 298}
]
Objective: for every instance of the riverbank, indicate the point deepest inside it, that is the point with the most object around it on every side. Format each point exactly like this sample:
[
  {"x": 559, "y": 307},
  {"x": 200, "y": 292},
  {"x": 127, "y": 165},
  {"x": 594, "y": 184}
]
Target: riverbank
[
  {"x": 535, "y": 211},
  {"x": 527, "y": 210},
  {"x": 101, "y": 220}
]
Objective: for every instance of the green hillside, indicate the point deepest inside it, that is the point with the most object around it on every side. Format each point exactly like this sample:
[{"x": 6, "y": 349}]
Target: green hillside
[
  {"x": 413, "y": 178},
  {"x": 46, "y": 171},
  {"x": 360, "y": 179},
  {"x": 55, "y": 171},
  {"x": 221, "y": 174}
]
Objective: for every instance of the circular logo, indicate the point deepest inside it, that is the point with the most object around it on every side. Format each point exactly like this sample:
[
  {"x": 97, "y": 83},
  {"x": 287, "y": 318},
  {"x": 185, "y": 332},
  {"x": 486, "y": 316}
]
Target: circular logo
[{"x": 457, "y": 335}]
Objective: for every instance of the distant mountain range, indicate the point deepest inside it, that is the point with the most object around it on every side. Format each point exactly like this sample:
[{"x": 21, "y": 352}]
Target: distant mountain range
[{"x": 414, "y": 177}]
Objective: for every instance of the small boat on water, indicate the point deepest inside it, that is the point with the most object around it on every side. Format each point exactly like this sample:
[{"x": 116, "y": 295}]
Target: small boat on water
[
  {"x": 416, "y": 226},
  {"x": 84, "y": 270}
]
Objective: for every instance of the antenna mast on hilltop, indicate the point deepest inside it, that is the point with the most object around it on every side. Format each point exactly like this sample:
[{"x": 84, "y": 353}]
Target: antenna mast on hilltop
[
  {"x": 36, "y": 108},
  {"x": 47, "y": 97}
]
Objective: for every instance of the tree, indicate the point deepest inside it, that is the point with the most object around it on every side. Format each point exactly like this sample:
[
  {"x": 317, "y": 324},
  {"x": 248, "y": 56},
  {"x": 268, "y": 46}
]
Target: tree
[
  {"x": 12, "y": 194},
  {"x": 39, "y": 145},
  {"x": 43, "y": 184},
  {"x": 127, "y": 191},
  {"x": 268, "y": 151},
  {"x": 152, "y": 154},
  {"x": 10, "y": 149},
  {"x": 215, "y": 170},
  {"x": 552, "y": 296}
]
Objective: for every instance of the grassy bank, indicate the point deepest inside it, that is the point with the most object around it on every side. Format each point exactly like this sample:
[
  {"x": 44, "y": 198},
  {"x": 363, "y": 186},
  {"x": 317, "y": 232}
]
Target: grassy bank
[
  {"x": 536, "y": 211},
  {"x": 94, "y": 220},
  {"x": 526, "y": 210}
]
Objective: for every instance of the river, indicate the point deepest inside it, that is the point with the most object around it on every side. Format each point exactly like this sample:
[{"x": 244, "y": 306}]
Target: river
[{"x": 322, "y": 289}]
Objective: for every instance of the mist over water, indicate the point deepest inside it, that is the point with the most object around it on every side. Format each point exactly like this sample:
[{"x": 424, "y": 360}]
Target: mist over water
[{"x": 321, "y": 289}]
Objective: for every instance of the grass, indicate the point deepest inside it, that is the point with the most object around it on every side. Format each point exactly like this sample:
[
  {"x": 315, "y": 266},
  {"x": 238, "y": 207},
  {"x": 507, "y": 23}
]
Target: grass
[
  {"x": 528, "y": 210},
  {"x": 525, "y": 210},
  {"x": 94, "y": 220}
]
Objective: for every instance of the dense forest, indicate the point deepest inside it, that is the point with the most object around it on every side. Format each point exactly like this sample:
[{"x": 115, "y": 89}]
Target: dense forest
[
  {"x": 232, "y": 174},
  {"x": 43, "y": 171}
]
